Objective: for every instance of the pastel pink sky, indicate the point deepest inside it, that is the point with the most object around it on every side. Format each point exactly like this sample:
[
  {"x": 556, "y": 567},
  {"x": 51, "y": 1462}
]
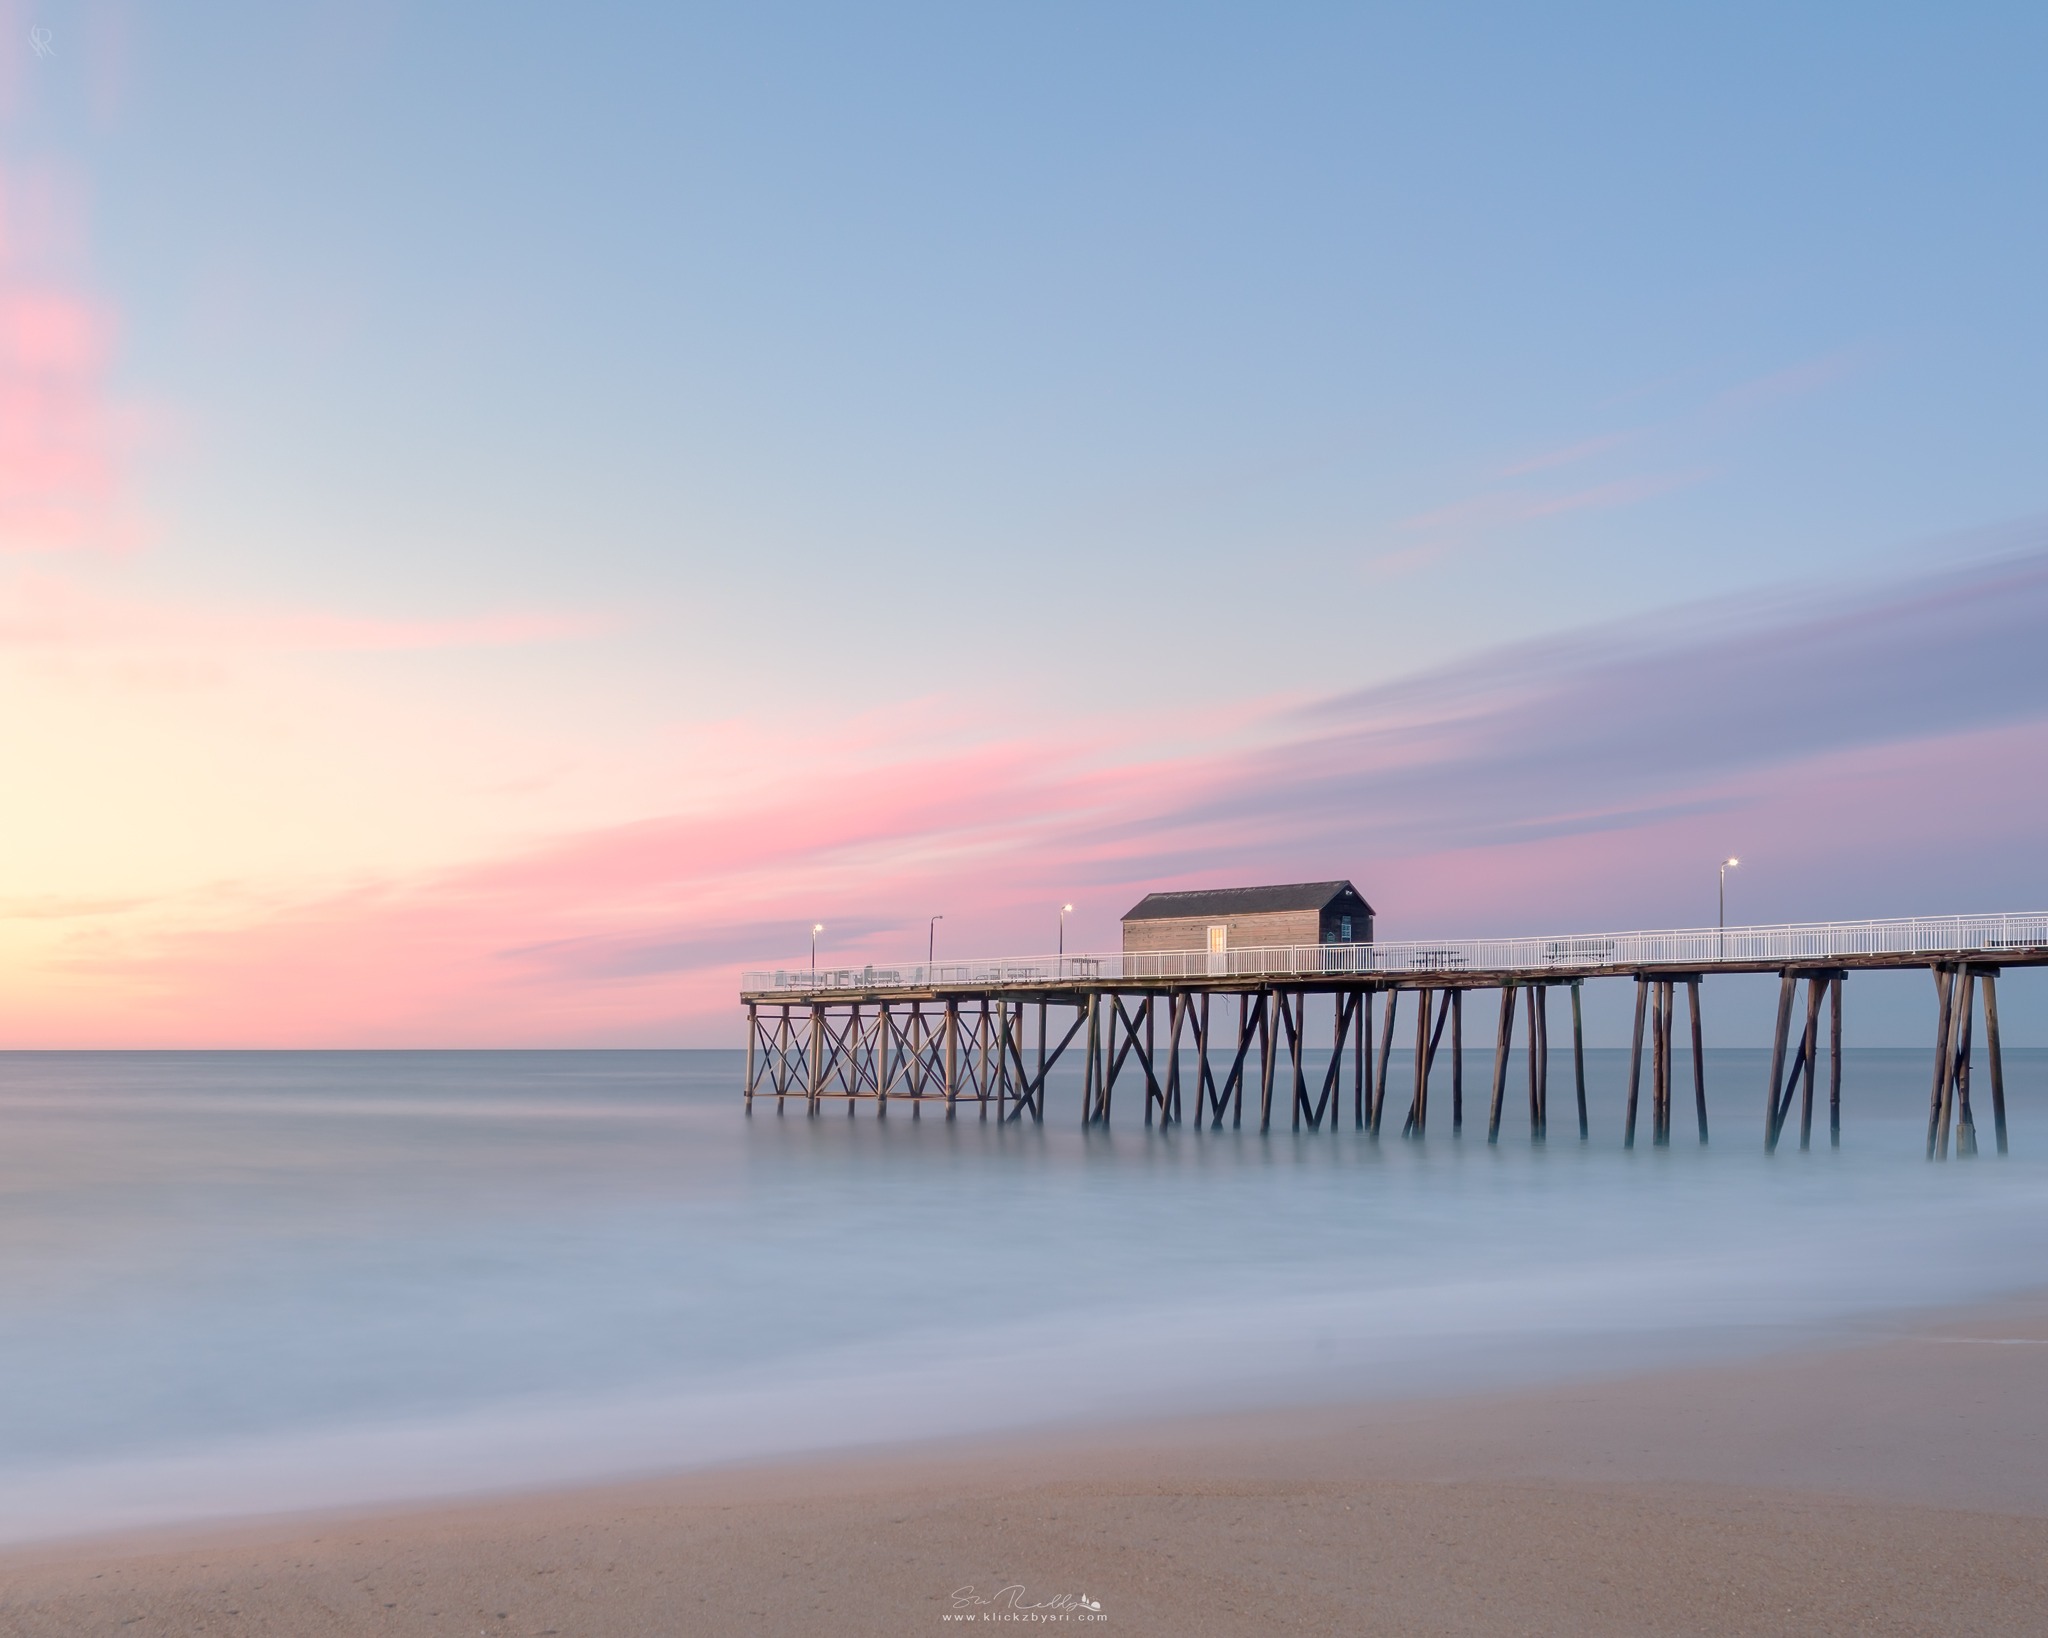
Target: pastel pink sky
[
  {"x": 1479, "y": 800},
  {"x": 492, "y": 540}
]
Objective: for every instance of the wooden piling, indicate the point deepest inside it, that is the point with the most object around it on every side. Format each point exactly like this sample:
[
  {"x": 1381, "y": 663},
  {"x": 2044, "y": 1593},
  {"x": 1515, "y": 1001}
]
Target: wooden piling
[
  {"x": 1436, "y": 1038},
  {"x": 1660, "y": 1065},
  {"x": 952, "y": 1058},
  {"x": 1205, "y": 1079},
  {"x": 1699, "y": 1058},
  {"x": 1966, "y": 1126},
  {"x": 1361, "y": 1059},
  {"x": 1023, "y": 1094},
  {"x": 1113, "y": 1051},
  {"x": 817, "y": 1077},
  {"x": 1995, "y": 1062},
  {"x": 1503, "y": 1041},
  {"x": 1835, "y": 1062},
  {"x": 1812, "y": 1050},
  {"x": 1155, "y": 1088},
  {"x": 1579, "y": 1062},
  {"x": 1937, "y": 1101},
  {"x": 1418, "y": 1102},
  {"x": 1246, "y": 1010},
  {"x": 1176, "y": 1004},
  {"x": 1951, "y": 1031},
  {"x": 1145, "y": 1012},
  {"x": 1268, "y": 1053},
  {"x": 1379, "y": 1085},
  {"x": 882, "y": 1071},
  {"x": 920, "y": 1055},
  {"x": 1458, "y": 1062},
  {"x": 1291, "y": 1021},
  {"x": 1343, "y": 1013},
  {"x": 1292, "y": 1018},
  {"x": 1038, "y": 1103},
  {"x": 999, "y": 1052},
  {"x": 753, "y": 1033},
  {"x": 1787, "y": 983},
  {"x": 1635, "y": 1063},
  {"x": 994, "y": 1069},
  {"x": 1091, "y": 1065}
]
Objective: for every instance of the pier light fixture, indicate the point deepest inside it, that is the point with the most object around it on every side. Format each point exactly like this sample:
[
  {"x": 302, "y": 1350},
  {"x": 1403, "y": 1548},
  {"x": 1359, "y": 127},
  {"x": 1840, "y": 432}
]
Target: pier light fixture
[
  {"x": 1721, "y": 919},
  {"x": 1066, "y": 910},
  {"x": 817, "y": 927},
  {"x": 931, "y": 939}
]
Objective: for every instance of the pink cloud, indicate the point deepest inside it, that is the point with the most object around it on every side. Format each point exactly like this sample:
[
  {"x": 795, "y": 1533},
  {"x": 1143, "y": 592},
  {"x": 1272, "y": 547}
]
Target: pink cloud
[
  {"x": 635, "y": 934},
  {"x": 58, "y": 489},
  {"x": 62, "y": 433},
  {"x": 1562, "y": 787},
  {"x": 543, "y": 945}
]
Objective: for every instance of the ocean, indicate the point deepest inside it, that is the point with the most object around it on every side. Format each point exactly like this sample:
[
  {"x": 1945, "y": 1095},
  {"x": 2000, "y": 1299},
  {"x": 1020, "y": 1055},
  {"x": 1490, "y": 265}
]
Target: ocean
[{"x": 236, "y": 1283}]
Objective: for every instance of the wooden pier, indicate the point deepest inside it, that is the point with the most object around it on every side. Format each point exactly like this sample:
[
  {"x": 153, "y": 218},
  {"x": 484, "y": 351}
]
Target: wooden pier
[{"x": 988, "y": 1034}]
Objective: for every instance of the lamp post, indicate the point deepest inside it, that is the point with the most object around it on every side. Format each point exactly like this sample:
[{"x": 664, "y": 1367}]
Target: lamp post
[
  {"x": 1721, "y": 920},
  {"x": 817, "y": 927},
  {"x": 1066, "y": 910},
  {"x": 931, "y": 939}
]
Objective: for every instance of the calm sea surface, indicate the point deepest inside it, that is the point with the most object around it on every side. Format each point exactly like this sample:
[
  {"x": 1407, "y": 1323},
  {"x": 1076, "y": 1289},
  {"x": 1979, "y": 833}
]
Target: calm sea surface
[{"x": 236, "y": 1282}]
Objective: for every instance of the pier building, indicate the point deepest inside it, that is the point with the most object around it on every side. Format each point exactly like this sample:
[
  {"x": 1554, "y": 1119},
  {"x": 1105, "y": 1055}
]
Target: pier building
[{"x": 1219, "y": 919}]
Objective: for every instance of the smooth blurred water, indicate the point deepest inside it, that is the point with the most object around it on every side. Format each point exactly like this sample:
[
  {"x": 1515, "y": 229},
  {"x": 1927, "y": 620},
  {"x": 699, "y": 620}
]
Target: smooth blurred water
[{"x": 238, "y": 1282}]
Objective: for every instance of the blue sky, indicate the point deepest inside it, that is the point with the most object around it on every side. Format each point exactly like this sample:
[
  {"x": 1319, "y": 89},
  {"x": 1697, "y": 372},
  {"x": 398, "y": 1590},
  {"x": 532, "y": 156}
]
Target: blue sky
[{"x": 520, "y": 425}]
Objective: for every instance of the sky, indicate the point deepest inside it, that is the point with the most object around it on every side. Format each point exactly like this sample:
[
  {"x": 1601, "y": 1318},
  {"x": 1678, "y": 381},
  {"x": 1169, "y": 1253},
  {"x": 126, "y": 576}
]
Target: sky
[{"x": 509, "y": 514}]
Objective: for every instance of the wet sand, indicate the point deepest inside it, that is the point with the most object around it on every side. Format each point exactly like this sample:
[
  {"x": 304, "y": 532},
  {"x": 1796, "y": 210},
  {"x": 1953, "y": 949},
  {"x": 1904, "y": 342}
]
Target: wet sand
[{"x": 1899, "y": 1485}]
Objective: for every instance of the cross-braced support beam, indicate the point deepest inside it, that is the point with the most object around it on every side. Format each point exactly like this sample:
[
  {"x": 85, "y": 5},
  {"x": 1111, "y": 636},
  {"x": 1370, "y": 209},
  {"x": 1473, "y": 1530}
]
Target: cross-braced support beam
[
  {"x": 1344, "y": 1015},
  {"x": 972, "y": 1044},
  {"x": 1957, "y": 988},
  {"x": 1821, "y": 984},
  {"x": 1426, "y": 1042}
]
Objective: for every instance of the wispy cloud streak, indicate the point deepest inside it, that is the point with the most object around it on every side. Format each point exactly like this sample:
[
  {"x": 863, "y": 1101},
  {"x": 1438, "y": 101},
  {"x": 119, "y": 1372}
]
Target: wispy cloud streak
[{"x": 1524, "y": 782}]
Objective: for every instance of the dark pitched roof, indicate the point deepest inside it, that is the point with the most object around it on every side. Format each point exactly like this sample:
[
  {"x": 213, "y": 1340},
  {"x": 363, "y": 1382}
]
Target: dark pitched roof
[{"x": 1240, "y": 901}]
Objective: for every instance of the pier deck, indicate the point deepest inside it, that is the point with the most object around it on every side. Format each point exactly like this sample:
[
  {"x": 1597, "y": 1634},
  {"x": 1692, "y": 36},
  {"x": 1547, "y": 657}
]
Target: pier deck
[{"x": 954, "y": 1032}]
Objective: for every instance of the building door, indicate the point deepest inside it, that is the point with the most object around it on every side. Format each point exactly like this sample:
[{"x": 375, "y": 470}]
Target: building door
[{"x": 1219, "y": 946}]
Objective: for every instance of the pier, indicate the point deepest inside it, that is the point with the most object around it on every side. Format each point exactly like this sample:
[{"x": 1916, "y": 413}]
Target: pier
[{"x": 988, "y": 1033}]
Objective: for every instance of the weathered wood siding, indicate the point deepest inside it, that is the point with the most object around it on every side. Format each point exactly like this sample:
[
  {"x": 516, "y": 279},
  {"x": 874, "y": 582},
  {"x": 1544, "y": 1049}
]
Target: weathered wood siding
[{"x": 1282, "y": 927}]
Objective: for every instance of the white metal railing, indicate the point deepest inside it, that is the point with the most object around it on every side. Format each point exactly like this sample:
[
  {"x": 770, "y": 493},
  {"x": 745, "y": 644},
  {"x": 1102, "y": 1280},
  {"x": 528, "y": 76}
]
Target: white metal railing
[{"x": 1700, "y": 947}]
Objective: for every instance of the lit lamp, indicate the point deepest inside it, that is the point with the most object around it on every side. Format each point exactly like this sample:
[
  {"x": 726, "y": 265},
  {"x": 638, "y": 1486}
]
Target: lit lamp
[
  {"x": 1066, "y": 910},
  {"x": 817, "y": 927},
  {"x": 1721, "y": 920}
]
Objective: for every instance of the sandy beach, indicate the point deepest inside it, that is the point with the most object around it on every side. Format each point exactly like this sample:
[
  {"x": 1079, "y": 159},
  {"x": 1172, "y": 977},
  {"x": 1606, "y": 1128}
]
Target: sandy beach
[{"x": 1897, "y": 1485}]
